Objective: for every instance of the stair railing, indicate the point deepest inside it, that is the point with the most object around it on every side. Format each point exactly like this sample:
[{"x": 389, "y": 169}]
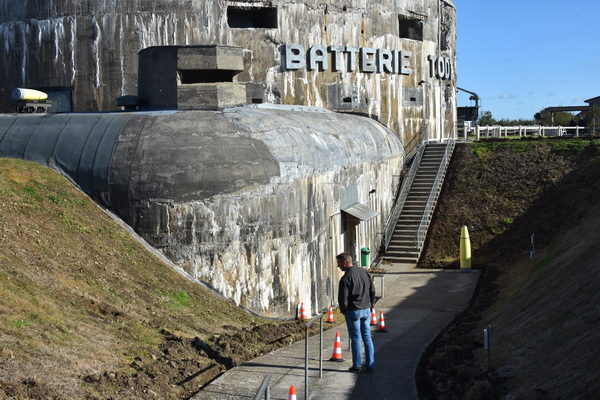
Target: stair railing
[
  {"x": 431, "y": 201},
  {"x": 404, "y": 190}
]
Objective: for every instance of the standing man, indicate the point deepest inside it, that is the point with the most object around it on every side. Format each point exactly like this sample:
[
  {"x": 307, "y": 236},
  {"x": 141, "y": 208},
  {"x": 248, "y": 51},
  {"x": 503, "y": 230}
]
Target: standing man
[{"x": 356, "y": 296}]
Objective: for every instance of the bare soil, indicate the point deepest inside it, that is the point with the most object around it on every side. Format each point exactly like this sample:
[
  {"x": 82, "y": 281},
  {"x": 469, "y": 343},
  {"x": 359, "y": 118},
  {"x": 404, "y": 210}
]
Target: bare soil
[{"x": 505, "y": 191}]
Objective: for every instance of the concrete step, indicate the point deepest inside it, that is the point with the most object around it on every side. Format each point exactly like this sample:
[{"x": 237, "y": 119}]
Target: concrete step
[
  {"x": 412, "y": 254},
  {"x": 423, "y": 175},
  {"x": 404, "y": 245},
  {"x": 402, "y": 242},
  {"x": 404, "y": 232},
  {"x": 425, "y": 178},
  {"x": 400, "y": 259},
  {"x": 419, "y": 208}
]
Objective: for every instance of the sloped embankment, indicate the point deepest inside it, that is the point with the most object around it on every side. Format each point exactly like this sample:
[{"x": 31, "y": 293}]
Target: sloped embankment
[
  {"x": 87, "y": 312},
  {"x": 542, "y": 311}
]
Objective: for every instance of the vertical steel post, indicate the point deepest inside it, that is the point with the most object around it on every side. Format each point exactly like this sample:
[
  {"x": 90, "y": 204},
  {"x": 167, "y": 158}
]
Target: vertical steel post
[
  {"x": 306, "y": 362},
  {"x": 321, "y": 348}
]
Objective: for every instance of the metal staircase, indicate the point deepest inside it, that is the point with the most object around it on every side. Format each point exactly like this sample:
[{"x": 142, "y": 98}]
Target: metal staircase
[{"x": 416, "y": 203}]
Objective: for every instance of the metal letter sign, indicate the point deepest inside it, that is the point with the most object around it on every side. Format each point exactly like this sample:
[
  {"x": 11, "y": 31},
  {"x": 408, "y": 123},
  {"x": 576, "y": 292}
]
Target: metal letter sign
[
  {"x": 440, "y": 67},
  {"x": 347, "y": 59},
  {"x": 294, "y": 56},
  {"x": 317, "y": 58}
]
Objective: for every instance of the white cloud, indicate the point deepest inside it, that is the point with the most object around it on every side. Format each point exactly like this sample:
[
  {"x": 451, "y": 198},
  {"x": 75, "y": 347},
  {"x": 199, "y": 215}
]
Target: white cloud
[{"x": 505, "y": 96}]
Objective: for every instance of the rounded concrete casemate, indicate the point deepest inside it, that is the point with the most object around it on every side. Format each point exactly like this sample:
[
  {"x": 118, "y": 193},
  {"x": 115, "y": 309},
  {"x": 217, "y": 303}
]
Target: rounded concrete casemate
[{"x": 245, "y": 199}]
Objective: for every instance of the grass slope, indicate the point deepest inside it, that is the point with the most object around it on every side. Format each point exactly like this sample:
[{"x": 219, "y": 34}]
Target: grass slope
[{"x": 87, "y": 312}]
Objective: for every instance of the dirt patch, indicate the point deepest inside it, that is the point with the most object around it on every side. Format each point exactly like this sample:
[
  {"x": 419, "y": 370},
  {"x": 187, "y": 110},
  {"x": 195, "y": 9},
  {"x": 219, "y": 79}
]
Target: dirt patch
[
  {"x": 181, "y": 366},
  {"x": 504, "y": 191}
]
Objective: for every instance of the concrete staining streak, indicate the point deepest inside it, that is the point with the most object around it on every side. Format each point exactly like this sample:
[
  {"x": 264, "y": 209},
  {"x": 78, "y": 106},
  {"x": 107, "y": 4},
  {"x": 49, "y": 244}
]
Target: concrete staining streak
[{"x": 96, "y": 50}]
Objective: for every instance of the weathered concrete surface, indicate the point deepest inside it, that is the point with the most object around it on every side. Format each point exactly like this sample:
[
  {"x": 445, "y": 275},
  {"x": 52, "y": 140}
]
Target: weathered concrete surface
[
  {"x": 246, "y": 199},
  {"x": 417, "y": 305},
  {"x": 87, "y": 51}
]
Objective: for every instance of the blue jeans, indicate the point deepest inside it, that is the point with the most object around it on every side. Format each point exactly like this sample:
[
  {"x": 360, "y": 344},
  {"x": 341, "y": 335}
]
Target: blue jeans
[{"x": 358, "y": 322}]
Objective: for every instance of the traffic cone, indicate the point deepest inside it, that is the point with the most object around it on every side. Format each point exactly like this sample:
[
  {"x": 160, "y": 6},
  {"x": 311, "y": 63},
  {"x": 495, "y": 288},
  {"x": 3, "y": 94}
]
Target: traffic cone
[
  {"x": 330, "y": 315},
  {"x": 337, "y": 349},
  {"x": 381, "y": 327},
  {"x": 292, "y": 393},
  {"x": 303, "y": 315},
  {"x": 373, "y": 317}
]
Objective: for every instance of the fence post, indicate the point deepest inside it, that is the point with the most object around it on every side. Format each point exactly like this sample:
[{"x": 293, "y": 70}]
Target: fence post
[{"x": 477, "y": 132}]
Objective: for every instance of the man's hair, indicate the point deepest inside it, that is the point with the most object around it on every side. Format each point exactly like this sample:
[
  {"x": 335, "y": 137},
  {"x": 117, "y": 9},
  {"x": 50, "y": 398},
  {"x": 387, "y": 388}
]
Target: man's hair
[{"x": 347, "y": 257}]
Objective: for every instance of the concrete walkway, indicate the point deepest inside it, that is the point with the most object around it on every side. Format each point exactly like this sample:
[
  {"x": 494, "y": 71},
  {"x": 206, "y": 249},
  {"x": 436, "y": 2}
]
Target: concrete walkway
[{"x": 417, "y": 305}]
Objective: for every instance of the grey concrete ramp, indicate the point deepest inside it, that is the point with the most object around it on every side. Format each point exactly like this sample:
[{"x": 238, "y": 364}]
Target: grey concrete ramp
[{"x": 417, "y": 305}]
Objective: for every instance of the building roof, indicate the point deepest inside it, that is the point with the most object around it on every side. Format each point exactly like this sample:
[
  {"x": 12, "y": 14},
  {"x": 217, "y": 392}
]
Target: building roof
[{"x": 593, "y": 100}]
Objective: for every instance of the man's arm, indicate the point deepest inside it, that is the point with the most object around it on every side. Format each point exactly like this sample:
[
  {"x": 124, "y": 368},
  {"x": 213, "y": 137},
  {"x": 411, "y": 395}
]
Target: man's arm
[
  {"x": 343, "y": 296},
  {"x": 371, "y": 291}
]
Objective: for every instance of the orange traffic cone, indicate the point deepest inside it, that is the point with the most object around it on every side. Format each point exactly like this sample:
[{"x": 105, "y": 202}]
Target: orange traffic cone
[
  {"x": 373, "y": 317},
  {"x": 337, "y": 349},
  {"x": 292, "y": 393},
  {"x": 381, "y": 327},
  {"x": 302, "y": 314},
  {"x": 330, "y": 315}
]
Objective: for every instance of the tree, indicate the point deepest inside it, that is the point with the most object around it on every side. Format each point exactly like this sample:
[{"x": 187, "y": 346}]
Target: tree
[
  {"x": 561, "y": 118},
  {"x": 486, "y": 119}
]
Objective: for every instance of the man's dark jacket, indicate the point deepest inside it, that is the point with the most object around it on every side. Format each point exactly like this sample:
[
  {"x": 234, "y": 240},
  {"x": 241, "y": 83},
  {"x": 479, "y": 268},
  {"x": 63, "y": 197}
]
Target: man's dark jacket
[{"x": 356, "y": 290}]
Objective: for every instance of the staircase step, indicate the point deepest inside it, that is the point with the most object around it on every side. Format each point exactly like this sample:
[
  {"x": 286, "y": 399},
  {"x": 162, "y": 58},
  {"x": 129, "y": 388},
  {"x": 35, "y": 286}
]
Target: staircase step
[
  {"x": 402, "y": 243},
  {"x": 410, "y": 209},
  {"x": 411, "y": 260},
  {"x": 412, "y": 254},
  {"x": 409, "y": 247},
  {"x": 405, "y": 233}
]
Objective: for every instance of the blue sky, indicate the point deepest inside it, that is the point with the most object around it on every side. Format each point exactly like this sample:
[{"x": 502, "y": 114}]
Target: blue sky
[{"x": 522, "y": 56}]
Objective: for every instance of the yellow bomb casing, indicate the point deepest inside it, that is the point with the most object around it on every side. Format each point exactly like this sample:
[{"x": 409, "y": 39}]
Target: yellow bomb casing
[
  {"x": 465, "y": 248},
  {"x": 28, "y": 94}
]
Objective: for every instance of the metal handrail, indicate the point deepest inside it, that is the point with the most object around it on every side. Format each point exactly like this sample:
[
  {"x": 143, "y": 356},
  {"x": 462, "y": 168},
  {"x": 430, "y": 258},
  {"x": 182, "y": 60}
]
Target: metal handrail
[
  {"x": 404, "y": 190},
  {"x": 263, "y": 391},
  {"x": 424, "y": 224}
]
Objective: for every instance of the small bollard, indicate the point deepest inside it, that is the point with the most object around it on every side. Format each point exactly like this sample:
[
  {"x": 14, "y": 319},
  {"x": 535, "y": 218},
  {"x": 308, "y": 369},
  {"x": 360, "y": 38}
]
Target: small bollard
[{"x": 487, "y": 344}]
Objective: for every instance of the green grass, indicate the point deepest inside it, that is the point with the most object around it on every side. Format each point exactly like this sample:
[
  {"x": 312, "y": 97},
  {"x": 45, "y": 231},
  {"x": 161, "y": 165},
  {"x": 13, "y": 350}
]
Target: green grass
[
  {"x": 517, "y": 145},
  {"x": 21, "y": 323},
  {"x": 179, "y": 299}
]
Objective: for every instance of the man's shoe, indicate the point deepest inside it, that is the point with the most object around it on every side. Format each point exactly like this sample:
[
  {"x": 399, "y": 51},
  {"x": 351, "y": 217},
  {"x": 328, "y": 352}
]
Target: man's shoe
[
  {"x": 354, "y": 369},
  {"x": 369, "y": 371}
]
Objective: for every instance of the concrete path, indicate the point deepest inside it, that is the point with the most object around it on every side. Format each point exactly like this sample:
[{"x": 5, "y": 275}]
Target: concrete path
[{"x": 417, "y": 305}]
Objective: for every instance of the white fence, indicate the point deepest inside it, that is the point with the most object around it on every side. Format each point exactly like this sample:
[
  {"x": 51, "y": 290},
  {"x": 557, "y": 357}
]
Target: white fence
[{"x": 522, "y": 131}]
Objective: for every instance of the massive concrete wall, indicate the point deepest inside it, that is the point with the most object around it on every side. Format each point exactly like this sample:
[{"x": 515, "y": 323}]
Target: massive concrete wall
[
  {"x": 246, "y": 199},
  {"x": 89, "y": 48}
]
